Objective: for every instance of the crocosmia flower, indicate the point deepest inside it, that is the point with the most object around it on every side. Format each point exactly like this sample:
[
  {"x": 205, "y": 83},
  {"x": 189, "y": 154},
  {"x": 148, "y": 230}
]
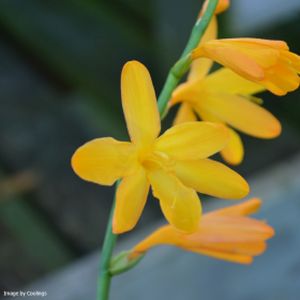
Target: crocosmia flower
[
  {"x": 266, "y": 62},
  {"x": 226, "y": 234},
  {"x": 174, "y": 164},
  {"x": 223, "y": 96}
]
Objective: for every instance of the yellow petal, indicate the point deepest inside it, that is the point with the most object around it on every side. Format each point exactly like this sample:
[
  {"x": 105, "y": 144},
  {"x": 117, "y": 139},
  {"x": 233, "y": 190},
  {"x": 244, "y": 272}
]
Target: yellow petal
[
  {"x": 131, "y": 197},
  {"x": 187, "y": 91},
  {"x": 242, "y": 114},
  {"x": 212, "y": 178},
  {"x": 180, "y": 205},
  {"x": 229, "y": 56},
  {"x": 233, "y": 153},
  {"x": 234, "y": 229},
  {"x": 248, "y": 207},
  {"x": 193, "y": 140},
  {"x": 226, "y": 81},
  {"x": 210, "y": 117},
  {"x": 201, "y": 66},
  {"x": 139, "y": 104},
  {"x": 165, "y": 235},
  {"x": 232, "y": 257},
  {"x": 251, "y": 248},
  {"x": 286, "y": 82},
  {"x": 184, "y": 114},
  {"x": 249, "y": 42},
  {"x": 103, "y": 160}
]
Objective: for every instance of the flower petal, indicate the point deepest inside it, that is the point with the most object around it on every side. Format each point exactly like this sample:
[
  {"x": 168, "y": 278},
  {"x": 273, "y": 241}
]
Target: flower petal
[
  {"x": 139, "y": 104},
  {"x": 248, "y": 207},
  {"x": 228, "y": 228},
  {"x": 245, "y": 248},
  {"x": 233, "y": 153},
  {"x": 193, "y": 140},
  {"x": 180, "y": 205},
  {"x": 212, "y": 178},
  {"x": 226, "y": 55},
  {"x": 232, "y": 257},
  {"x": 184, "y": 114},
  {"x": 226, "y": 81},
  {"x": 131, "y": 197},
  {"x": 242, "y": 114},
  {"x": 103, "y": 160},
  {"x": 165, "y": 235}
]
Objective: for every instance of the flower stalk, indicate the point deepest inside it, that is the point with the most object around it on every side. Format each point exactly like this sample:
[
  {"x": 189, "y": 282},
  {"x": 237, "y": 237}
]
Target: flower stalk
[
  {"x": 182, "y": 65},
  {"x": 110, "y": 239},
  {"x": 173, "y": 78}
]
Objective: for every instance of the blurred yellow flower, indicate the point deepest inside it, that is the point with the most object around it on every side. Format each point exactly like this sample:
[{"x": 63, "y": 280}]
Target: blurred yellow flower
[
  {"x": 225, "y": 234},
  {"x": 266, "y": 62},
  {"x": 174, "y": 164}
]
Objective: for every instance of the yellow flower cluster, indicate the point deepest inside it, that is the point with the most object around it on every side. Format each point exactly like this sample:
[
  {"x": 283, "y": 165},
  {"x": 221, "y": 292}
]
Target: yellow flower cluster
[{"x": 176, "y": 164}]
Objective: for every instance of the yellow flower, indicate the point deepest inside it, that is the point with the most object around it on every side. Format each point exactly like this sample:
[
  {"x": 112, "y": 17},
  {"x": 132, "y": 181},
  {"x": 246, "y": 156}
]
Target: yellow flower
[
  {"x": 225, "y": 97},
  {"x": 266, "y": 62},
  {"x": 225, "y": 234},
  {"x": 174, "y": 164}
]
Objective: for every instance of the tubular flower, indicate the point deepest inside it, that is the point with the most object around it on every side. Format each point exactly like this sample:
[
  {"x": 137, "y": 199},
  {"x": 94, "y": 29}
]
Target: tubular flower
[
  {"x": 174, "y": 164},
  {"x": 266, "y": 62},
  {"x": 225, "y": 234}
]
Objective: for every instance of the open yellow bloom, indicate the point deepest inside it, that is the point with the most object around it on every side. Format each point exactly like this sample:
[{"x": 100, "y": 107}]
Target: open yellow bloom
[
  {"x": 225, "y": 234},
  {"x": 174, "y": 164},
  {"x": 266, "y": 62},
  {"x": 225, "y": 97}
]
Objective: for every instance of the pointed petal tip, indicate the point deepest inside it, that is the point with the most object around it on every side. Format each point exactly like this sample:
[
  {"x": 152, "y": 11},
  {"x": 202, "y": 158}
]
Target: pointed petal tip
[
  {"x": 232, "y": 162},
  {"x": 246, "y": 187},
  {"x": 271, "y": 231}
]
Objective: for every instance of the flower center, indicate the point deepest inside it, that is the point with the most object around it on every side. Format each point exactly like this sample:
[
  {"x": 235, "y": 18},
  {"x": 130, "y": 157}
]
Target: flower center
[{"x": 156, "y": 159}]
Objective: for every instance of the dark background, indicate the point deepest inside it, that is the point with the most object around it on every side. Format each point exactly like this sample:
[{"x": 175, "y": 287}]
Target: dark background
[{"x": 60, "y": 64}]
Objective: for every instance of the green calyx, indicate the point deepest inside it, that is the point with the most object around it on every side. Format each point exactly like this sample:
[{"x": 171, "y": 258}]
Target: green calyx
[{"x": 123, "y": 262}]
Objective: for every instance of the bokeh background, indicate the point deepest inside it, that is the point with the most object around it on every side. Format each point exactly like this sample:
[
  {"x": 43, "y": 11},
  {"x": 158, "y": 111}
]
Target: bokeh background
[{"x": 60, "y": 64}]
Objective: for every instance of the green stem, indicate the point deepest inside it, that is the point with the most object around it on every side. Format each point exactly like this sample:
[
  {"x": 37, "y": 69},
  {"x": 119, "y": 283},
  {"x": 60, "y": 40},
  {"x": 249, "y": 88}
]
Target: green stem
[
  {"x": 109, "y": 242},
  {"x": 174, "y": 76},
  {"x": 182, "y": 65}
]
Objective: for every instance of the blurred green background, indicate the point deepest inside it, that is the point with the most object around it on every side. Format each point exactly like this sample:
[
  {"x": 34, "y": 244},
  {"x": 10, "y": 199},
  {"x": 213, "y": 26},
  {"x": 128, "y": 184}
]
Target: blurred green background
[{"x": 60, "y": 64}]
